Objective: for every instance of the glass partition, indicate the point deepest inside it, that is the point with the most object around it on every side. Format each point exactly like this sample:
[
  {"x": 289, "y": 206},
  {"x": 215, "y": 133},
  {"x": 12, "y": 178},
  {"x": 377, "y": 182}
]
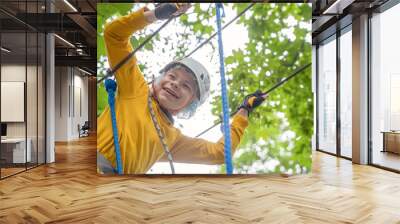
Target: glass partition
[
  {"x": 22, "y": 89},
  {"x": 13, "y": 103}
]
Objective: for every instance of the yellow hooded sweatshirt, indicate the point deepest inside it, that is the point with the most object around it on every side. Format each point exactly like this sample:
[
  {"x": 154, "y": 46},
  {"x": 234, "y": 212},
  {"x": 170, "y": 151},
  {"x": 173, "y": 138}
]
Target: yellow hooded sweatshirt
[{"x": 140, "y": 144}]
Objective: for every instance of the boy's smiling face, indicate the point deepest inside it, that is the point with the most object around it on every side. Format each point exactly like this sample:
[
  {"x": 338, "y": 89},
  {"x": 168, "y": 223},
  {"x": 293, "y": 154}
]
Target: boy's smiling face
[{"x": 176, "y": 90}]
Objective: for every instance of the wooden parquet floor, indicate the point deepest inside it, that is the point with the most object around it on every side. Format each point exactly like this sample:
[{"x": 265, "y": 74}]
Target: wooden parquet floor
[{"x": 70, "y": 191}]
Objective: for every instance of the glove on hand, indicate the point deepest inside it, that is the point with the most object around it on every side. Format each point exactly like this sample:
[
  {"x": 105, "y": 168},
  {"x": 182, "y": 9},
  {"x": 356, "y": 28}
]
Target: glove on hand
[
  {"x": 252, "y": 101},
  {"x": 168, "y": 10}
]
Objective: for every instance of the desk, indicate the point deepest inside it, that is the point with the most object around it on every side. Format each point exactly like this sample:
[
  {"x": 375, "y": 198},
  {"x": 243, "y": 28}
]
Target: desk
[
  {"x": 13, "y": 150},
  {"x": 391, "y": 141}
]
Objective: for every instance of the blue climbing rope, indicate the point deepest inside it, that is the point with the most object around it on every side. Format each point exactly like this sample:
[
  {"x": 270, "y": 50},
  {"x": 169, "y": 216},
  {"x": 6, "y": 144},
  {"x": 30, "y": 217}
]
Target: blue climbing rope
[
  {"x": 225, "y": 103},
  {"x": 111, "y": 86}
]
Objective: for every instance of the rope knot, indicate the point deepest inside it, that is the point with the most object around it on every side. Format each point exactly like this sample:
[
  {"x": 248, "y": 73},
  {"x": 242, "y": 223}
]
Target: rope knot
[{"x": 110, "y": 85}]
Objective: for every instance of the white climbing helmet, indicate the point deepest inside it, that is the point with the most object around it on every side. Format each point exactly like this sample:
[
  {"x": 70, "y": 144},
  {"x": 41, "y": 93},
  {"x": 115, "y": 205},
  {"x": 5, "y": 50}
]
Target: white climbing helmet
[{"x": 201, "y": 74}]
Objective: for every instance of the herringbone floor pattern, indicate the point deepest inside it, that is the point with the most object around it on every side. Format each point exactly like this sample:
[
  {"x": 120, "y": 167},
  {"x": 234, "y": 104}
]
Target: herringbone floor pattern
[{"x": 70, "y": 191}]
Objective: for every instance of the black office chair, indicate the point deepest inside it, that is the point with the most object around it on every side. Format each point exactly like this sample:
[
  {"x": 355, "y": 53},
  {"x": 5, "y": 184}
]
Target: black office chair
[{"x": 84, "y": 130}]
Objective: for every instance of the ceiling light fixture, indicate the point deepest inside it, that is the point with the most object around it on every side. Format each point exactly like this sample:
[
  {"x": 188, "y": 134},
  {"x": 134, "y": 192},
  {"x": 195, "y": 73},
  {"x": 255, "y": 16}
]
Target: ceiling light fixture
[
  {"x": 84, "y": 71},
  {"x": 337, "y": 7},
  {"x": 70, "y": 5},
  {"x": 65, "y": 41},
  {"x": 5, "y": 50}
]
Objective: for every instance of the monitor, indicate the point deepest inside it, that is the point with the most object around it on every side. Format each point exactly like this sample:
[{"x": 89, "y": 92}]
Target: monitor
[{"x": 3, "y": 129}]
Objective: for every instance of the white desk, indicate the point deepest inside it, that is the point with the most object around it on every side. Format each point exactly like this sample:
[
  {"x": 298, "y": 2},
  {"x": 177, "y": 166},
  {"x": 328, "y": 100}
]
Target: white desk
[{"x": 18, "y": 149}]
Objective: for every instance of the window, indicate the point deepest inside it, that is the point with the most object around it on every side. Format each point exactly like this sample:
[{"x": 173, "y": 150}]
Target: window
[
  {"x": 327, "y": 96},
  {"x": 346, "y": 93},
  {"x": 385, "y": 89}
]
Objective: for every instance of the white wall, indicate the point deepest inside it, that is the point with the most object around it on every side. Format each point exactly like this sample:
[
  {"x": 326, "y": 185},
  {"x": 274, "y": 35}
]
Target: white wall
[
  {"x": 80, "y": 110},
  {"x": 61, "y": 103},
  {"x": 71, "y": 94}
]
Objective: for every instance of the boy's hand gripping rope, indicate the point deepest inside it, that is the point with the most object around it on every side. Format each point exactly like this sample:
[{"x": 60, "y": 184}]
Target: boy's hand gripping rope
[{"x": 264, "y": 94}]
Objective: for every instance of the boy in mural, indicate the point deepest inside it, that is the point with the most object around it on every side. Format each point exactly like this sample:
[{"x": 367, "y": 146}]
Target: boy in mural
[{"x": 145, "y": 113}]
